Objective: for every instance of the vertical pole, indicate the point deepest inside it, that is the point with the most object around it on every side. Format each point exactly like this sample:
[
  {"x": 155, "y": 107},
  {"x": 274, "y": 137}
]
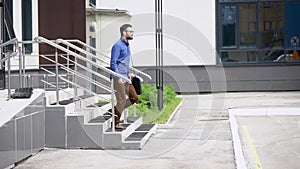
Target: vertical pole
[
  {"x": 20, "y": 68},
  {"x": 125, "y": 115},
  {"x": 68, "y": 65},
  {"x": 112, "y": 105},
  {"x": 75, "y": 78},
  {"x": 2, "y": 65},
  {"x": 23, "y": 52},
  {"x": 56, "y": 73},
  {"x": 134, "y": 109},
  {"x": 159, "y": 53},
  {"x": 44, "y": 80},
  {"x": 31, "y": 79},
  {"x": 8, "y": 78}
]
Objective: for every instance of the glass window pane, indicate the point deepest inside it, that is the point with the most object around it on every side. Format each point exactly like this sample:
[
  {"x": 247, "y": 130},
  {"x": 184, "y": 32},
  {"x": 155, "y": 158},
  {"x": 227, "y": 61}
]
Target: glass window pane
[
  {"x": 239, "y": 56},
  {"x": 93, "y": 2},
  {"x": 271, "y": 25},
  {"x": 229, "y": 26},
  {"x": 271, "y": 55},
  {"x": 247, "y": 18},
  {"x": 27, "y": 23}
]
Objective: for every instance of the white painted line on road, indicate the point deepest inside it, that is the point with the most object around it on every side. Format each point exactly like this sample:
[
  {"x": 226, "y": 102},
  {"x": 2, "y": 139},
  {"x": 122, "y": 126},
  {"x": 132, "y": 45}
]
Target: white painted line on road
[{"x": 237, "y": 147}]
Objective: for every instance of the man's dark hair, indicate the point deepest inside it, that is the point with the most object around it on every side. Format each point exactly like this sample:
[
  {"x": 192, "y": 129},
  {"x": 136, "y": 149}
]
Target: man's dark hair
[{"x": 124, "y": 27}]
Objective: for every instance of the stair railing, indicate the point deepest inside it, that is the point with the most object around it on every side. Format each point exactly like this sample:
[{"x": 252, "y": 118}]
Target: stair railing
[
  {"x": 92, "y": 56},
  {"x": 97, "y": 57},
  {"x": 8, "y": 56},
  {"x": 77, "y": 56}
]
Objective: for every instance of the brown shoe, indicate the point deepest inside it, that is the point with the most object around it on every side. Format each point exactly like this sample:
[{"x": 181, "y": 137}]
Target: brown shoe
[{"x": 119, "y": 126}]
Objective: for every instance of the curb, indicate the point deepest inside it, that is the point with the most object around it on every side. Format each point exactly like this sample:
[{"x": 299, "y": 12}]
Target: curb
[{"x": 172, "y": 115}]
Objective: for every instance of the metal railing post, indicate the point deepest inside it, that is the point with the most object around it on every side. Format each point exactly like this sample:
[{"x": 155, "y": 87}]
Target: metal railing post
[
  {"x": 31, "y": 80},
  {"x": 56, "y": 76},
  {"x": 75, "y": 78},
  {"x": 68, "y": 65},
  {"x": 44, "y": 80},
  {"x": 47, "y": 79},
  {"x": 112, "y": 105},
  {"x": 134, "y": 109},
  {"x": 27, "y": 80},
  {"x": 20, "y": 67},
  {"x": 8, "y": 79},
  {"x": 125, "y": 115},
  {"x": 23, "y": 64}
]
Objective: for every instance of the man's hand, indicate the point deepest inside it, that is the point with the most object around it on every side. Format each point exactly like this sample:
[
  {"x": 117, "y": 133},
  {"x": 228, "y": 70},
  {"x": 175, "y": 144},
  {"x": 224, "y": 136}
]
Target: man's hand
[
  {"x": 131, "y": 75},
  {"x": 121, "y": 81}
]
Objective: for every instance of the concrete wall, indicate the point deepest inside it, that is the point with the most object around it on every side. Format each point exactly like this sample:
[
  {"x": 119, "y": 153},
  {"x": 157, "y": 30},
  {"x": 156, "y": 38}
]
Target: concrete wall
[
  {"x": 198, "y": 79},
  {"x": 195, "y": 79}
]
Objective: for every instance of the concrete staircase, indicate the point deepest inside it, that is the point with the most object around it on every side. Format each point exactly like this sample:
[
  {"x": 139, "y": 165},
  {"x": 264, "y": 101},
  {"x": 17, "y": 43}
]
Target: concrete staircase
[{"x": 68, "y": 126}]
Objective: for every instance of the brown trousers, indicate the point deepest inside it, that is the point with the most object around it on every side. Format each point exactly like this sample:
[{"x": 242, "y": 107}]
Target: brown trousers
[{"x": 123, "y": 90}]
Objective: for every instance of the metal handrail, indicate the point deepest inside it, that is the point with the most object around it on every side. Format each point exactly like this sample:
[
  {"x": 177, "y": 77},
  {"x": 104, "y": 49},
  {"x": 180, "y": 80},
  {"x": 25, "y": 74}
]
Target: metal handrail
[
  {"x": 89, "y": 70},
  {"x": 72, "y": 83},
  {"x": 42, "y": 39},
  {"x": 77, "y": 56},
  {"x": 8, "y": 57},
  {"x": 79, "y": 97},
  {"x": 12, "y": 41},
  {"x": 67, "y": 42},
  {"x": 79, "y": 75},
  {"x": 8, "y": 70}
]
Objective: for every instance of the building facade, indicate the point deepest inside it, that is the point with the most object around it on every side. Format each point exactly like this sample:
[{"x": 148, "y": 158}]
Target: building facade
[{"x": 216, "y": 45}]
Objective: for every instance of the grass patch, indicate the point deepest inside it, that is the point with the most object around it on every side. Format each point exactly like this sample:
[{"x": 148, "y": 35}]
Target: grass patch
[
  {"x": 147, "y": 104},
  {"x": 103, "y": 101}
]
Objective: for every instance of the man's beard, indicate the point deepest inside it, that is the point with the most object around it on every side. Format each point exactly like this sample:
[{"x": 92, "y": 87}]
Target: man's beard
[{"x": 129, "y": 38}]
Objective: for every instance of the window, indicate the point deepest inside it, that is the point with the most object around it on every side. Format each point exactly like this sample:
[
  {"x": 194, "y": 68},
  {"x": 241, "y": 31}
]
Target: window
[
  {"x": 93, "y": 2},
  {"x": 27, "y": 23},
  {"x": 253, "y": 31},
  {"x": 247, "y": 26},
  {"x": 228, "y": 26},
  {"x": 8, "y": 30}
]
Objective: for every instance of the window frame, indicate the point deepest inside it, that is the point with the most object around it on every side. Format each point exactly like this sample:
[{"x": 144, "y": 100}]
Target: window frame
[{"x": 256, "y": 48}]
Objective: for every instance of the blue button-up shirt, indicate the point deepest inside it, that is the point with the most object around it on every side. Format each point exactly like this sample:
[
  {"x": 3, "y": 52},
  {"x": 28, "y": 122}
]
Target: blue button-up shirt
[{"x": 120, "y": 58}]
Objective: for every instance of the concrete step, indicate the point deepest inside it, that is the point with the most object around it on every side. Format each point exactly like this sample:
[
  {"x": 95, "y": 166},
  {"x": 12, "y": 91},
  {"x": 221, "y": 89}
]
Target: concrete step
[
  {"x": 139, "y": 137},
  {"x": 114, "y": 140},
  {"x": 99, "y": 104},
  {"x": 68, "y": 126}
]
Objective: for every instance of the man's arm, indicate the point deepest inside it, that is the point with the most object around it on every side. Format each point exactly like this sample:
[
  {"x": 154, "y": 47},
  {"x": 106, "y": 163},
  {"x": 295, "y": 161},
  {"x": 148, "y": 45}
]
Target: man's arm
[{"x": 115, "y": 53}]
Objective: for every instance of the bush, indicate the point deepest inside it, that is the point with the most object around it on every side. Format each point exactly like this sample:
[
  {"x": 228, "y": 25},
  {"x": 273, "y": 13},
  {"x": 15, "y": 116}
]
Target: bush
[{"x": 147, "y": 104}]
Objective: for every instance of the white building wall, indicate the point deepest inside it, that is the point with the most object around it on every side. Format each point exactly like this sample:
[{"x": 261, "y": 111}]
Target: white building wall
[
  {"x": 188, "y": 26},
  {"x": 106, "y": 33},
  {"x": 17, "y": 19}
]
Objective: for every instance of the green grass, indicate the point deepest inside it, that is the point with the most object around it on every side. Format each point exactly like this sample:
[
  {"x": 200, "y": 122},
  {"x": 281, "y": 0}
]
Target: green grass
[
  {"x": 147, "y": 104},
  {"x": 102, "y": 101}
]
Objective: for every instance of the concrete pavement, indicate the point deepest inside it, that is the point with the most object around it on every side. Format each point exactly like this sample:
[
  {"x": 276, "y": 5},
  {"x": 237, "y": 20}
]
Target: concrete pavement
[{"x": 198, "y": 136}]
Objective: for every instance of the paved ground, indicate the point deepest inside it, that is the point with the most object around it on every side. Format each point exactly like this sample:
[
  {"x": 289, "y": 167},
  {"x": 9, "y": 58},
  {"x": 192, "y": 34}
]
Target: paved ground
[
  {"x": 276, "y": 140},
  {"x": 198, "y": 137}
]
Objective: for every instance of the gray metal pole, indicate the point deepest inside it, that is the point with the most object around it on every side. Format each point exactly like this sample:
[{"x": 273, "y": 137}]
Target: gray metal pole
[
  {"x": 112, "y": 105},
  {"x": 23, "y": 52},
  {"x": 159, "y": 54},
  {"x": 20, "y": 67},
  {"x": 68, "y": 65},
  {"x": 56, "y": 72},
  {"x": 8, "y": 78},
  {"x": 75, "y": 78}
]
